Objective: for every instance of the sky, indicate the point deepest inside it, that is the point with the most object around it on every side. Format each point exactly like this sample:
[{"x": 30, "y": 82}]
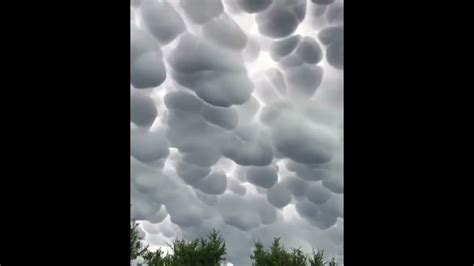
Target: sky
[{"x": 237, "y": 122}]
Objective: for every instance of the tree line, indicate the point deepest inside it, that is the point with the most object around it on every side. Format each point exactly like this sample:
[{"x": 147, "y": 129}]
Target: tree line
[{"x": 211, "y": 251}]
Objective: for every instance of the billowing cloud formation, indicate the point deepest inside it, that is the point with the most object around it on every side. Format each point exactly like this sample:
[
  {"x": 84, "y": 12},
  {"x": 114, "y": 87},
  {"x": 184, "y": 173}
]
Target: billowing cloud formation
[
  {"x": 143, "y": 109},
  {"x": 281, "y": 18},
  {"x": 216, "y": 75},
  {"x": 254, "y": 6},
  {"x": 224, "y": 31},
  {"x": 149, "y": 146},
  {"x": 147, "y": 67},
  {"x": 162, "y": 20},
  {"x": 279, "y": 196},
  {"x": 323, "y": 2},
  {"x": 236, "y": 122},
  {"x": 203, "y": 10},
  {"x": 263, "y": 176}
]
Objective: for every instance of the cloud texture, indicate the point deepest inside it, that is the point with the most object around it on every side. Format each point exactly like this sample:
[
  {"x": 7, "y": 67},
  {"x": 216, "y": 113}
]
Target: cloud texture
[{"x": 236, "y": 122}]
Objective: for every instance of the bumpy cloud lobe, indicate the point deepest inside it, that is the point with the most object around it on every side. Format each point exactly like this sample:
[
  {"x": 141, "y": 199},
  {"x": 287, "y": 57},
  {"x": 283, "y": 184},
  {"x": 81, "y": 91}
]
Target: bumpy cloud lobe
[
  {"x": 162, "y": 20},
  {"x": 236, "y": 122},
  {"x": 147, "y": 67},
  {"x": 281, "y": 18},
  {"x": 201, "y": 11}
]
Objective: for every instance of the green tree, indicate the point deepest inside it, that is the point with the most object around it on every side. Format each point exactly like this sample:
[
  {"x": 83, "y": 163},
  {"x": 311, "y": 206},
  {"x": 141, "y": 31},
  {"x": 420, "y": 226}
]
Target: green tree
[
  {"x": 317, "y": 259},
  {"x": 136, "y": 246},
  {"x": 277, "y": 255},
  {"x": 157, "y": 258},
  {"x": 211, "y": 251},
  {"x": 208, "y": 251}
]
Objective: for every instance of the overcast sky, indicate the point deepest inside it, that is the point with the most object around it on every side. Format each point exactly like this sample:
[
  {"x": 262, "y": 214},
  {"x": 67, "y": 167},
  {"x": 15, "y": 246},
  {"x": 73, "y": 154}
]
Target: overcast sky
[{"x": 236, "y": 122}]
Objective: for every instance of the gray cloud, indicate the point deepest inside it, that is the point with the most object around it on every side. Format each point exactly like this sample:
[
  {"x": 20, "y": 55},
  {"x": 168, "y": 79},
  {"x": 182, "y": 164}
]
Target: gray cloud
[
  {"x": 256, "y": 151},
  {"x": 252, "y": 49},
  {"x": 236, "y": 187},
  {"x": 183, "y": 101},
  {"x": 238, "y": 212},
  {"x": 322, "y": 2},
  {"x": 215, "y": 74},
  {"x": 202, "y": 11},
  {"x": 214, "y": 184},
  {"x": 335, "y": 13},
  {"x": 302, "y": 142},
  {"x": 254, "y": 6},
  {"x": 334, "y": 54},
  {"x": 191, "y": 173},
  {"x": 277, "y": 80},
  {"x": 224, "y": 31},
  {"x": 296, "y": 51},
  {"x": 149, "y": 146},
  {"x": 236, "y": 122},
  {"x": 304, "y": 80},
  {"x": 224, "y": 117},
  {"x": 284, "y": 47},
  {"x": 143, "y": 110},
  {"x": 162, "y": 20},
  {"x": 317, "y": 193},
  {"x": 330, "y": 34},
  {"x": 263, "y": 176},
  {"x": 309, "y": 172},
  {"x": 148, "y": 70},
  {"x": 295, "y": 185},
  {"x": 319, "y": 10},
  {"x": 279, "y": 196},
  {"x": 309, "y": 51},
  {"x": 282, "y": 18}
]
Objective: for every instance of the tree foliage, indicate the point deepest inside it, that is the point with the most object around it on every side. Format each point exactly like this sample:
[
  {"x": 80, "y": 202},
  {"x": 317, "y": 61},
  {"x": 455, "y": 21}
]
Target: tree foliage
[
  {"x": 277, "y": 255},
  {"x": 211, "y": 251},
  {"x": 317, "y": 259},
  {"x": 136, "y": 246},
  {"x": 208, "y": 251}
]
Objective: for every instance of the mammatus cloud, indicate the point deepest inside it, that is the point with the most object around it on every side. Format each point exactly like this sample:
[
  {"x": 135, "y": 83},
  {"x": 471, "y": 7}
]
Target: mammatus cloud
[{"x": 236, "y": 122}]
